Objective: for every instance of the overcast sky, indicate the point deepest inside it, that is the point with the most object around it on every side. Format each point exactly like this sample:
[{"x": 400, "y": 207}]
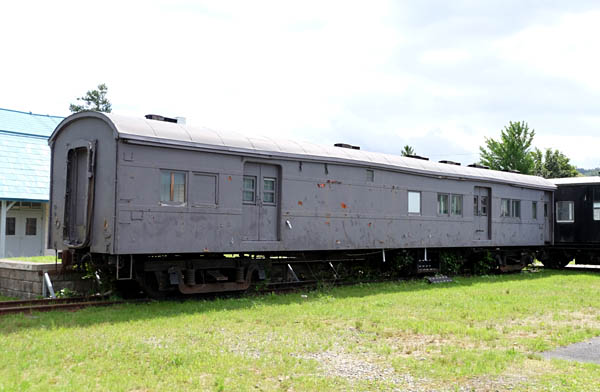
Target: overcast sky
[{"x": 437, "y": 75}]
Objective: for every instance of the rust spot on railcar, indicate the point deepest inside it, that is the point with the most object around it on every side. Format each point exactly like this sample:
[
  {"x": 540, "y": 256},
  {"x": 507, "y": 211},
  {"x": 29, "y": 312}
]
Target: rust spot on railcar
[
  {"x": 206, "y": 249},
  {"x": 320, "y": 185},
  {"x": 299, "y": 202},
  {"x": 333, "y": 182},
  {"x": 327, "y": 222},
  {"x": 370, "y": 224},
  {"x": 229, "y": 178},
  {"x": 344, "y": 205},
  {"x": 105, "y": 224}
]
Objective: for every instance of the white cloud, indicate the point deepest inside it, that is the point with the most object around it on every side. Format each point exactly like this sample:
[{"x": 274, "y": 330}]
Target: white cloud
[{"x": 366, "y": 73}]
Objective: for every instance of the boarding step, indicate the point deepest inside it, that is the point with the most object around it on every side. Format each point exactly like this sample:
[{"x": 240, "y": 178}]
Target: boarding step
[{"x": 438, "y": 279}]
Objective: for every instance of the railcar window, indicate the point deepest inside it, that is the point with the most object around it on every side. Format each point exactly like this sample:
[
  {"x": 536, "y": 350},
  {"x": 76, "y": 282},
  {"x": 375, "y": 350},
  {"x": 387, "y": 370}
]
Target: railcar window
[
  {"x": 515, "y": 208},
  {"x": 565, "y": 211},
  {"x": 534, "y": 210},
  {"x": 456, "y": 205},
  {"x": 505, "y": 207},
  {"x": 269, "y": 190},
  {"x": 484, "y": 205},
  {"x": 172, "y": 187},
  {"x": 414, "y": 202},
  {"x": 510, "y": 208},
  {"x": 30, "y": 226},
  {"x": 475, "y": 205},
  {"x": 370, "y": 175},
  {"x": 249, "y": 191},
  {"x": 10, "y": 226},
  {"x": 545, "y": 210},
  {"x": 442, "y": 204}
]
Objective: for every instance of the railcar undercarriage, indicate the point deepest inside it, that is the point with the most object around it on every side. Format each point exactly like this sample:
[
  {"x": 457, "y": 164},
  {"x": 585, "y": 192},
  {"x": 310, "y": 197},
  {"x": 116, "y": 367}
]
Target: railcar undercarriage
[{"x": 163, "y": 275}]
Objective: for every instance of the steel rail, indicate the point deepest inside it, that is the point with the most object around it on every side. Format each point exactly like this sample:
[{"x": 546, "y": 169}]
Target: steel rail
[{"x": 64, "y": 306}]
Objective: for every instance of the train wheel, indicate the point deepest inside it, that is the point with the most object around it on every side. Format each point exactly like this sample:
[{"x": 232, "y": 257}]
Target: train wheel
[
  {"x": 150, "y": 286},
  {"x": 557, "y": 261}
]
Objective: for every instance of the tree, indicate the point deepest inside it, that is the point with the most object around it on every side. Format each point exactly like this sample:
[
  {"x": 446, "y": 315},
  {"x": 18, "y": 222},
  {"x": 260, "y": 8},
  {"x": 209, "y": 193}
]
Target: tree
[
  {"x": 512, "y": 152},
  {"x": 94, "y": 100},
  {"x": 552, "y": 164},
  {"x": 407, "y": 150}
]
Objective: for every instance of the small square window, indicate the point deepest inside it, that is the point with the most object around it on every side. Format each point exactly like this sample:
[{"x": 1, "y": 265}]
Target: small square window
[
  {"x": 172, "y": 187},
  {"x": 414, "y": 202},
  {"x": 565, "y": 211},
  {"x": 11, "y": 225},
  {"x": 31, "y": 226}
]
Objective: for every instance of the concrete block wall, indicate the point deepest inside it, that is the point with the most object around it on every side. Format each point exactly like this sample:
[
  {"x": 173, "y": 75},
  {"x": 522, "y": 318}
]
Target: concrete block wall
[{"x": 21, "y": 279}]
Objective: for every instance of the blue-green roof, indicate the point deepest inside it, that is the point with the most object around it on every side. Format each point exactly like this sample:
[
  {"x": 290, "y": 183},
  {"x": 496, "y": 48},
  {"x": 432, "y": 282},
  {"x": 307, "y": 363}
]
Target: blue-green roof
[{"x": 25, "y": 155}]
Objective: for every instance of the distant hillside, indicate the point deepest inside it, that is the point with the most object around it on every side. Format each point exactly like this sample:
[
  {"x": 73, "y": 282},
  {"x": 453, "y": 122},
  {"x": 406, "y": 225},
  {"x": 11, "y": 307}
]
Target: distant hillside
[{"x": 589, "y": 172}]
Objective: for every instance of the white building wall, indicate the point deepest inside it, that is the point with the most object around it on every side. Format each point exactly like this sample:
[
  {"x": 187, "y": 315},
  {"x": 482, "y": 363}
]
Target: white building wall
[{"x": 21, "y": 243}]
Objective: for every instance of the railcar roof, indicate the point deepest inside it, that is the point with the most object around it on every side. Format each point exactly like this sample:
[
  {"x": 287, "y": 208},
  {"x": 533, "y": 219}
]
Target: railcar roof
[
  {"x": 576, "y": 180},
  {"x": 153, "y": 131}
]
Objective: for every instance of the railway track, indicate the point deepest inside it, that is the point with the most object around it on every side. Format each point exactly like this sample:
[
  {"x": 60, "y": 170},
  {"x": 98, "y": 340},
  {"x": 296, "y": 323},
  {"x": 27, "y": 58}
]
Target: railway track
[{"x": 50, "y": 304}]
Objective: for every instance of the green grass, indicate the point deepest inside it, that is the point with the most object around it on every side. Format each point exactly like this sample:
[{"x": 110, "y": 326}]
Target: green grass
[
  {"x": 36, "y": 259},
  {"x": 481, "y": 333}
]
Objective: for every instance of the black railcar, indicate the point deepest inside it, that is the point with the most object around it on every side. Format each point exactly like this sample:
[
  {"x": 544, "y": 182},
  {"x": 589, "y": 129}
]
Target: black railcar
[{"x": 577, "y": 222}]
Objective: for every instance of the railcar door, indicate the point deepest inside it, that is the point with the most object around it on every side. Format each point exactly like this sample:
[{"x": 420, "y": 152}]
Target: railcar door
[
  {"x": 548, "y": 217},
  {"x": 79, "y": 193},
  {"x": 260, "y": 198},
  {"x": 481, "y": 213}
]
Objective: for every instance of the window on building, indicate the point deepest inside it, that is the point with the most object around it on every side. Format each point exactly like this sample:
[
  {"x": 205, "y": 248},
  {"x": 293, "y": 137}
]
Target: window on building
[
  {"x": 442, "y": 204},
  {"x": 456, "y": 205},
  {"x": 534, "y": 210},
  {"x": 565, "y": 211},
  {"x": 370, "y": 175},
  {"x": 249, "y": 189},
  {"x": 269, "y": 190},
  {"x": 172, "y": 187},
  {"x": 475, "y": 205},
  {"x": 505, "y": 207},
  {"x": 11, "y": 223},
  {"x": 30, "y": 226},
  {"x": 545, "y": 210},
  {"x": 414, "y": 202}
]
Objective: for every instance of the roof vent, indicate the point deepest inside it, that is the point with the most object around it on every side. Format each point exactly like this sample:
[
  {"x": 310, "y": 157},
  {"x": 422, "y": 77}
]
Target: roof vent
[
  {"x": 417, "y": 157},
  {"x": 478, "y": 166},
  {"x": 450, "y": 162},
  {"x": 346, "y": 145},
  {"x": 158, "y": 117}
]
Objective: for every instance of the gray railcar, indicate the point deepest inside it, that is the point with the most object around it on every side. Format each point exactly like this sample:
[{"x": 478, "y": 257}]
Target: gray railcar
[{"x": 126, "y": 187}]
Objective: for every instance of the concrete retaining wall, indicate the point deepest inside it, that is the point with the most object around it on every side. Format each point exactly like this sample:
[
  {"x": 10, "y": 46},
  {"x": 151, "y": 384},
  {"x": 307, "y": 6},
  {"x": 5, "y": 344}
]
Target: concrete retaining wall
[{"x": 22, "y": 279}]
